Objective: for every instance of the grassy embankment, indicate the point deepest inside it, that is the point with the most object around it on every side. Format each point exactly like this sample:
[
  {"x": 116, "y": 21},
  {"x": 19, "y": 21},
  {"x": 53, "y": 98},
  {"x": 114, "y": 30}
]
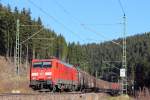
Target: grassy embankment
[{"x": 9, "y": 80}]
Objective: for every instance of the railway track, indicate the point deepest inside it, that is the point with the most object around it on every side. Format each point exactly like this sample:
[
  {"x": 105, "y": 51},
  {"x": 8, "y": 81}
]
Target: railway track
[
  {"x": 41, "y": 93},
  {"x": 51, "y": 96}
]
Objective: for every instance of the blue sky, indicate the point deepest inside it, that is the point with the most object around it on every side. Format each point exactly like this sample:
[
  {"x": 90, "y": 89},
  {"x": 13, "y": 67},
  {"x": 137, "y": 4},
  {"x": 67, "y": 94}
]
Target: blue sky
[{"x": 100, "y": 16}]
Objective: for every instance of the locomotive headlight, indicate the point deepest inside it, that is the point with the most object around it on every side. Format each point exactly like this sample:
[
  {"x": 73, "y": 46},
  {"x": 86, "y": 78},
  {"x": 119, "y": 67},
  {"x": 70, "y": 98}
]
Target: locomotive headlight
[
  {"x": 48, "y": 73},
  {"x": 34, "y": 74}
]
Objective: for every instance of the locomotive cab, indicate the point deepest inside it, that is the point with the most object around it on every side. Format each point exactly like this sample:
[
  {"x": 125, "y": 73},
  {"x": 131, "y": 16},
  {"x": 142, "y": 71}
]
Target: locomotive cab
[{"x": 41, "y": 74}]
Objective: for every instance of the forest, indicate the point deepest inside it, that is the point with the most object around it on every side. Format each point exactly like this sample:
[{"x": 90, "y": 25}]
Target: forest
[{"x": 99, "y": 59}]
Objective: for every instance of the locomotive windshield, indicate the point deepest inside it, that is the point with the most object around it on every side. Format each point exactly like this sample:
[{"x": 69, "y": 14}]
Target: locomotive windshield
[
  {"x": 47, "y": 64},
  {"x": 42, "y": 64}
]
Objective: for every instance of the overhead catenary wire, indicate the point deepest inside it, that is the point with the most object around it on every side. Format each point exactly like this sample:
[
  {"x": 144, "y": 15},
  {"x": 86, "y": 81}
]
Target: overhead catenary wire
[
  {"x": 73, "y": 17},
  {"x": 67, "y": 12},
  {"x": 84, "y": 26},
  {"x": 79, "y": 21},
  {"x": 32, "y": 36},
  {"x": 122, "y": 8},
  {"x": 56, "y": 20},
  {"x": 111, "y": 24},
  {"x": 92, "y": 30}
]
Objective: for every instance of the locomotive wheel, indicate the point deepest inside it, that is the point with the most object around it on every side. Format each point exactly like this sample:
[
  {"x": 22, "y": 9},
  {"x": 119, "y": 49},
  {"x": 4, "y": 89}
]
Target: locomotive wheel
[
  {"x": 34, "y": 88},
  {"x": 54, "y": 89}
]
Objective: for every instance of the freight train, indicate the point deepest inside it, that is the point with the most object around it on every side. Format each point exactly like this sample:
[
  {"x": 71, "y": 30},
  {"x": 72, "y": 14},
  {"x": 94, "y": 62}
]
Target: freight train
[{"x": 56, "y": 75}]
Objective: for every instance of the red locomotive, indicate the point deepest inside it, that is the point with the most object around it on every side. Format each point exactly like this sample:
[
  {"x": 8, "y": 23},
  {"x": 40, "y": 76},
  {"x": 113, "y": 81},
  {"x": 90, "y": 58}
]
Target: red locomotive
[{"x": 55, "y": 75}]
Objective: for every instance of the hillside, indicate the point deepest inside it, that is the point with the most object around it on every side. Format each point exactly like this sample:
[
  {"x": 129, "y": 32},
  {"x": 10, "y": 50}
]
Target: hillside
[
  {"x": 91, "y": 57},
  {"x": 46, "y": 41},
  {"x": 94, "y": 57}
]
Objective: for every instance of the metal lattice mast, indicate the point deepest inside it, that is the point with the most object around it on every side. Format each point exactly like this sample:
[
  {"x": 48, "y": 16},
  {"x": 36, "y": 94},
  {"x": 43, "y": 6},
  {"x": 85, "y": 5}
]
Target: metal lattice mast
[
  {"x": 17, "y": 53},
  {"x": 124, "y": 59}
]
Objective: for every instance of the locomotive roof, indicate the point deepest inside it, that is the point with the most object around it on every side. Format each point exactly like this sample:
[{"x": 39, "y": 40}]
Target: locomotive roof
[
  {"x": 66, "y": 64},
  {"x": 36, "y": 60}
]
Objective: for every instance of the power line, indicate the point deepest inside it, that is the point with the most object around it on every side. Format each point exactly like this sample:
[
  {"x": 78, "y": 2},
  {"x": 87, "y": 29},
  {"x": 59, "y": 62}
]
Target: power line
[
  {"x": 121, "y": 6},
  {"x": 103, "y": 24},
  {"x": 67, "y": 12},
  {"x": 43, "y": 38},
  {"x": 73, "y": 17},
  {"x": 53, "y": 18},
  {"x": 77, "y": 20},
  {"x": 32, "y": 36},
  {"x": 90, "y": 29},
  {"x": 84, "y": 26},
  {"x": 31, "y": 25}
]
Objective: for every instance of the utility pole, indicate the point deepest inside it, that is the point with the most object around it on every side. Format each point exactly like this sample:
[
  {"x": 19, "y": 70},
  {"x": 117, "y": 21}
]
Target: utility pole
[
  {"x": 27, "y": 56},
  {"x": 124, "y": 60},
  {"x": 17, "y": 54},
  {"x": 123, "y": 70}
]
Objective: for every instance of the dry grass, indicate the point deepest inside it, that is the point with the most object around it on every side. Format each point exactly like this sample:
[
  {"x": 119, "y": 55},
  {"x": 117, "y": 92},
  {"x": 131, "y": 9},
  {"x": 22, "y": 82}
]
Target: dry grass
[
  {"x": 9, "y": 79},
  {"x": 87, "y": 96},
  {"x": 61, "y": 96},
  {"x": 143, "y": 94}
]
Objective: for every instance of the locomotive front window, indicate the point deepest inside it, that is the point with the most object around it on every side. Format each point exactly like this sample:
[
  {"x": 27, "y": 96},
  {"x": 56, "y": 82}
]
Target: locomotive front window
[
  {"x": 37, "y": 64},
  {"x": 47, "y": 64},
  {"x": 42, "y": 64}
]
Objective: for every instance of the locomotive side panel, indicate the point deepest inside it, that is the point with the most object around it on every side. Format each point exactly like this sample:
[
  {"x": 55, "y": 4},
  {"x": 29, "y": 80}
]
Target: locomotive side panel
[{"x": 65, "y": 76}]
